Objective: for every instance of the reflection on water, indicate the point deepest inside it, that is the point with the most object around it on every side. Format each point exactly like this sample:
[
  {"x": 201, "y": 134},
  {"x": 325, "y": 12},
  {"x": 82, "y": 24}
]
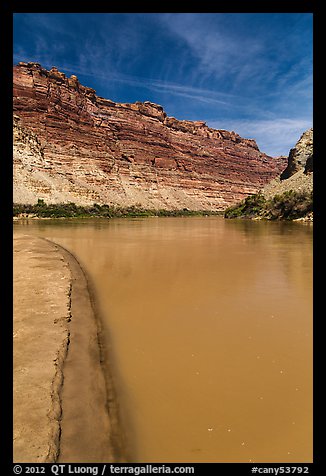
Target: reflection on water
[{"x": 210, "y": 323}]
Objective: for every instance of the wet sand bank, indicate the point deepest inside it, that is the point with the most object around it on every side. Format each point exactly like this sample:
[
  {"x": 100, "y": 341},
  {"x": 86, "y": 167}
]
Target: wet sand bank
[{"x": 61, "y": 407}]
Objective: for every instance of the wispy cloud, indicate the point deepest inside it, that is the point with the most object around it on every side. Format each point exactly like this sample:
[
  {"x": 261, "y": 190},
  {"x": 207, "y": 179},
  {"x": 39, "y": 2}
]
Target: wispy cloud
[
  {"x": 239, "y": 51},
  {"x": 221, "y": 51},
  {"x": 275, "y": 136},
  {"x": 194, "y": 93}
]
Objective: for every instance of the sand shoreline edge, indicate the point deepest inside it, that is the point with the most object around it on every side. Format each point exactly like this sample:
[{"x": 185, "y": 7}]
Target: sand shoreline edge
[
  {"x": 74, "y": 418},
  {"x": 115, "y": 445}
]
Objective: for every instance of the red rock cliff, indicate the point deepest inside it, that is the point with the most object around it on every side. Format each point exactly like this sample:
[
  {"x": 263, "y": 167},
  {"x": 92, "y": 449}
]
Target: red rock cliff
[{"x": 72, "y": 145}]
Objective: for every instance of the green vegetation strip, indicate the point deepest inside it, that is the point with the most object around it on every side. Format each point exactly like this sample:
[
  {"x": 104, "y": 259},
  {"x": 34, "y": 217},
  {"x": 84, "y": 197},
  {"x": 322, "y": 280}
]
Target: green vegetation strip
[
  {"x": 71, "y": 210},
  {"x": 289, "y": 205}
]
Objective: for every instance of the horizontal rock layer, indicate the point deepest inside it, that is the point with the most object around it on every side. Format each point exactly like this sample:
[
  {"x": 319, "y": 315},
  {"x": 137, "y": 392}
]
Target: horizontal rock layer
[{"x": 72, "y": 145}]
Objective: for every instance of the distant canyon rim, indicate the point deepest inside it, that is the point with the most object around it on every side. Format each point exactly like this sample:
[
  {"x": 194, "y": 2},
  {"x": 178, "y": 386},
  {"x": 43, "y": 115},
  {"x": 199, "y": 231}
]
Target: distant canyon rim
[{"x": 71, "y": 145}]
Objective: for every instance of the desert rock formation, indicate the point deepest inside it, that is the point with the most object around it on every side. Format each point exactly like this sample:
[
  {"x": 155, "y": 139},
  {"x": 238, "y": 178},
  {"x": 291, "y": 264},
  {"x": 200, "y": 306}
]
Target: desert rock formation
[
  {"x": 301, "y": 156},
  {"x": 71, "y": 145},
  {"x": 298, "y": 175}
]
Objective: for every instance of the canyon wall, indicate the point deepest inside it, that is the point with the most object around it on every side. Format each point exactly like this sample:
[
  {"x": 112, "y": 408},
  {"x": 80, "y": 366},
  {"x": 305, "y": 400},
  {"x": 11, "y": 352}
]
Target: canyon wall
[
  {"x": 300, "y": 156},
  {"x": 298, "y": 175},
  {"x": 71, "y": 145}
]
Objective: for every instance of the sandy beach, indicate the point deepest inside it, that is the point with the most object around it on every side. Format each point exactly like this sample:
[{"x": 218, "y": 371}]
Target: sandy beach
[{"x": 61, "y": 410}]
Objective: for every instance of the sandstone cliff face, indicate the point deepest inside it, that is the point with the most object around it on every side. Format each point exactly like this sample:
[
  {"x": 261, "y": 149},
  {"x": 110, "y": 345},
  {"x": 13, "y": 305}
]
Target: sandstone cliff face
[
  {"x": 298, "y": 175},
  {"x": 301, "y": 156},
  {"x": 72, "y": 145}
]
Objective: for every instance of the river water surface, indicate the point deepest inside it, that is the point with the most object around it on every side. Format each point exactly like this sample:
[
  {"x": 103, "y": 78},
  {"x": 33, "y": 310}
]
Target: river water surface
[{"x": 209, "y": 323}]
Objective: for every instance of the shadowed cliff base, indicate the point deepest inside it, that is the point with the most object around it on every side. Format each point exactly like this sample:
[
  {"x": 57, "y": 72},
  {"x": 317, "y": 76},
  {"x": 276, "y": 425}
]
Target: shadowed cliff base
[{"x": 61, "y": 407}]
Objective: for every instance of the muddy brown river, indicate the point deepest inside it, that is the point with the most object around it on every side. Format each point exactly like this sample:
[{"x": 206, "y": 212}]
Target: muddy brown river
[{"x": 209, "y": 323}]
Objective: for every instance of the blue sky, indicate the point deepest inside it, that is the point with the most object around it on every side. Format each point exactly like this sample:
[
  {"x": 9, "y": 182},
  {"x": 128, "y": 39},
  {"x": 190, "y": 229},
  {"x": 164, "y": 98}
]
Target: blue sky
[{"x": 251, "y": 73}]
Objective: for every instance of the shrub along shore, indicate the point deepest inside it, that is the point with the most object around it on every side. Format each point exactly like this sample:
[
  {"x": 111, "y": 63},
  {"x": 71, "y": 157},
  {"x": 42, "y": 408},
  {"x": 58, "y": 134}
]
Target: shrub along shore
[
  {"x": 71, "y": 210},
  {"x": 290, "y": 205}
]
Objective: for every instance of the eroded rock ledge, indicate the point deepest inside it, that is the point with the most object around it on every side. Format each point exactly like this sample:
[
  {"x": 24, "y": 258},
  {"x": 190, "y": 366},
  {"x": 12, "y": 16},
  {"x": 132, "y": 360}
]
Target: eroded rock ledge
[{"x": 72, "y": 145}]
